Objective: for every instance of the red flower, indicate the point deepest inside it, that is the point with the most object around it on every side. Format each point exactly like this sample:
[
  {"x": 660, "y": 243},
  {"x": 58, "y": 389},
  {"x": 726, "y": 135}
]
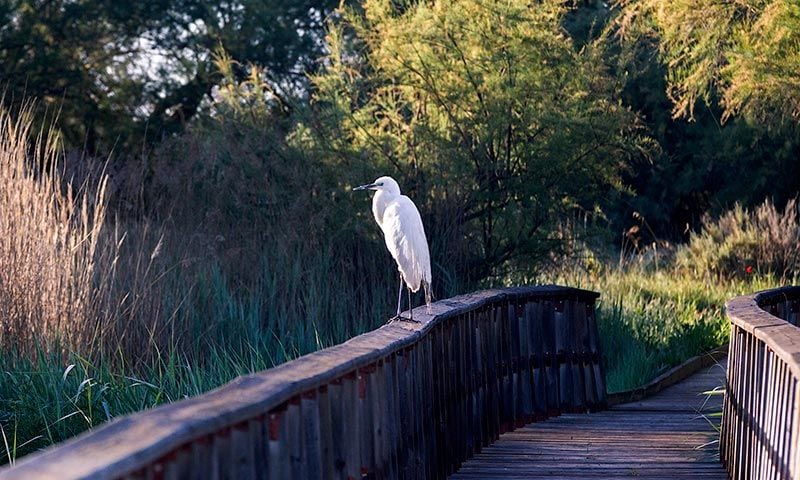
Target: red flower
[{"x": 748, "y": 269}]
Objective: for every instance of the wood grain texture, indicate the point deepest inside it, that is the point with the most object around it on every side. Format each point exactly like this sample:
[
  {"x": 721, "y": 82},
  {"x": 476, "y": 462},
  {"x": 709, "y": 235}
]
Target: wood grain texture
[{"x": 667, "y": 436}]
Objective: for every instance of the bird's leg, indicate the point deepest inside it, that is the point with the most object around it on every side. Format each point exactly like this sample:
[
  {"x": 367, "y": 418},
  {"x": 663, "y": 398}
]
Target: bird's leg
[
  {"x": 399, "y": 301},
  {"x": 400, "y": 296},
  {"x": 410, "y": 306},
  {"x": 410, "y": 310}
]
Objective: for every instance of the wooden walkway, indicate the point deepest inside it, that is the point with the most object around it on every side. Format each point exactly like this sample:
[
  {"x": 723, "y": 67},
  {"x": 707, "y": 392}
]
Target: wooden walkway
[{"x": 667, "y": 436}]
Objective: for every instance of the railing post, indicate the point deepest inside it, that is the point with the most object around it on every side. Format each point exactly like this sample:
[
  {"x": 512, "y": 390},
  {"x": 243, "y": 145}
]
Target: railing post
[
  {"x": 327, "y": 464},
  {"x": 278, "y": 449},
  {"x": 524, "y": 363},
  {"x": 351, "y": 421},
  {"x": 550, "y": 357},
  {"x": 365, "y": 419},
  {"x": 533, "y": 310},
  {"x": 309, "y": 412}
]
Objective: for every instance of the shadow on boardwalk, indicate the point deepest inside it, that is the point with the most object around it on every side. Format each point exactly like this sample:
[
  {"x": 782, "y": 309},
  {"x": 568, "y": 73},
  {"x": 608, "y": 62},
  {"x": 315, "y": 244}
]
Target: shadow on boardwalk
[{"x": 666, "y": 436}]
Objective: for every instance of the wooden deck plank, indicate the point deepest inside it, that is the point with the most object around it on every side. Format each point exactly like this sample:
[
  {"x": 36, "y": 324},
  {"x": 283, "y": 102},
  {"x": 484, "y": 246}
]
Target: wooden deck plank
[{"x": 668, "y": 436}]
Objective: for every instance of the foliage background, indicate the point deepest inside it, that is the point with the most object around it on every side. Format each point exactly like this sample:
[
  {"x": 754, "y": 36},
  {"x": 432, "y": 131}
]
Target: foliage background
[{"x": 190, "y": 165}]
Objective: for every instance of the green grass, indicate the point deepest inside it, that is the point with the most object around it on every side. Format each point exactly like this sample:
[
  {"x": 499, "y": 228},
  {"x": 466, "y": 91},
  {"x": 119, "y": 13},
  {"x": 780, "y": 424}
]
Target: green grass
[
  {"x": 47, "y": 401},
  {"x": 651, "y": 321}
]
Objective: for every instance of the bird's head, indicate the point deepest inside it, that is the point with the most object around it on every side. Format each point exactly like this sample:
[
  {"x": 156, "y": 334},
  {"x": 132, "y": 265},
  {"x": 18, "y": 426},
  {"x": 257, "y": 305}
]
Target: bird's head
[{"x": 386, "y": 184}]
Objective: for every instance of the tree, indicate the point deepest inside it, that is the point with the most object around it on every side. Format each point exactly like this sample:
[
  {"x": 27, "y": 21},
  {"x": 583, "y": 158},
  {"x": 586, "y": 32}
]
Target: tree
[
  {"x": 745, "y": 53},
  {"x": 113, "y": 70},
  {"x": 705, "y": 165},
  {"x": 486, "y": 112},
  {"x": 60, "y": 53}
]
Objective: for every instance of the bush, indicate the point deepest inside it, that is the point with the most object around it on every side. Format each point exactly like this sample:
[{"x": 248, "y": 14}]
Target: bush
[{"x": 741, "y": 243}]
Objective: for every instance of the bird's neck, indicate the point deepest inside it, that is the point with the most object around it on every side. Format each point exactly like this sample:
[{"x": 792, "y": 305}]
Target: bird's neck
[{"x": 379, "y": 203}]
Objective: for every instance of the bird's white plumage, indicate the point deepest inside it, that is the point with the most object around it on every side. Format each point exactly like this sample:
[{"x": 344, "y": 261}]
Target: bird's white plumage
[
  {"x": 404, "y": 234},
  {"x": 405, "y": 239}
]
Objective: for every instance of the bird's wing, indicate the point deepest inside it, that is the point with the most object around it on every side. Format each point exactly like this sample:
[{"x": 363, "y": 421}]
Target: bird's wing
[{"x": 405, "y": 239}]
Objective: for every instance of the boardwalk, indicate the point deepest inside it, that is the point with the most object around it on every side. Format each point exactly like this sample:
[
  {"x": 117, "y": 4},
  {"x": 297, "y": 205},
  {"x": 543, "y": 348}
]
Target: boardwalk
[
  {"x": 662, "y": 437},
  {"x": 413, "y": 401}
]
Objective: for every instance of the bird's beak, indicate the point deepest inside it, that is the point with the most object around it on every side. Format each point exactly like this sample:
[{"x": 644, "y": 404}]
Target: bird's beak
[{"x": 369, "y": 186}]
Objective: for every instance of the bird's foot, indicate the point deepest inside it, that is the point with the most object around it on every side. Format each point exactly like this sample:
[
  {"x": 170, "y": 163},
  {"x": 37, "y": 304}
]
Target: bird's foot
[
  {"x": 401, "y": 319},
  {"x": 404, "y": 319}
]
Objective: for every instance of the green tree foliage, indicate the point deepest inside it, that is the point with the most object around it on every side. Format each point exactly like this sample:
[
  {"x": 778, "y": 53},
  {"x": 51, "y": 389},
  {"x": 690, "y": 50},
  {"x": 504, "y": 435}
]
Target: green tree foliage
[
  {"x": 745, "y": 53},
  {"x": 705, "y": 165},
  {"x": 61, "y": 52},
  {"x": 113, "y": 70},
  {"x": 485, "y": 111}
]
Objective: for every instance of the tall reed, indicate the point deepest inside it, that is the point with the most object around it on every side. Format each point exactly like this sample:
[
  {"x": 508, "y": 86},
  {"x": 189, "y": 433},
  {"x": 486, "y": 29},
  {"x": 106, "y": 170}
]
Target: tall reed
[{"x": 49, "y": 233}]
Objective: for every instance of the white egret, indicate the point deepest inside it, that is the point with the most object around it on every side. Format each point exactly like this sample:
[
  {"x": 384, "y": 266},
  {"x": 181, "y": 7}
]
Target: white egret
[{"x": 404, "y": 234}]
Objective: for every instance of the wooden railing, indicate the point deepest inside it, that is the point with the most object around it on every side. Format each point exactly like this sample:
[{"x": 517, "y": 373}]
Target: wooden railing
[
  {"x": 403, "y": 401},
  {"x": 760, "y": 436}
]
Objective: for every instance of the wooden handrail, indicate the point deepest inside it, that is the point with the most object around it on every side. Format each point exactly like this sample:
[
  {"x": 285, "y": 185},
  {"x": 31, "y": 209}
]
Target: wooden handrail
[
  {"x": 760, "y": 436},
  {"x": 403, "y": 401}
]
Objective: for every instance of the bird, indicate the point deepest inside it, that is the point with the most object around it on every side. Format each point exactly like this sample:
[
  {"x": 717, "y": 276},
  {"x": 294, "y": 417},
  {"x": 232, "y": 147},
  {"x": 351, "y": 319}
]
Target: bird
[{"x": 400, "y": 221}]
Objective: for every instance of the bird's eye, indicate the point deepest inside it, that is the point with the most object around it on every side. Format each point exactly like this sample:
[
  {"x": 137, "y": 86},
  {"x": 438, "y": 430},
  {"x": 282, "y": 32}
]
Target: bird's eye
[{"x": 380, "y": 184}]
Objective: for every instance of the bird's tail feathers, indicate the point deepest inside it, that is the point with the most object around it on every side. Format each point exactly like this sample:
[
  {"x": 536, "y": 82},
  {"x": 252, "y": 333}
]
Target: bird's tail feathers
[{"x": 428, "y": 296}]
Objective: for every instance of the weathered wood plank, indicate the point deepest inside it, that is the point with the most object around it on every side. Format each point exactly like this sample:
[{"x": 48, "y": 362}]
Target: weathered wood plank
[{"x": 644, "y": 441}]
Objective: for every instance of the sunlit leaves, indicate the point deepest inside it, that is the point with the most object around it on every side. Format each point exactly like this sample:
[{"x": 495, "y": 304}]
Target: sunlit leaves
[
  {"x": 746, "y": 54},
  {"x": 485, "y": 107}
]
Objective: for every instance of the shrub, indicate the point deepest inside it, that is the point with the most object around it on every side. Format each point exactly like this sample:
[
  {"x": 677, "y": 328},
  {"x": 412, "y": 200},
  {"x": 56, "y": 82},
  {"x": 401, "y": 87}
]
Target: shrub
[{"x": 742, "y": 242}]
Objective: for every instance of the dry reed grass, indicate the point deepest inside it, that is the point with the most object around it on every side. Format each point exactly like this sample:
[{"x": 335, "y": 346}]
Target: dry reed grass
[
  {"x": 126, "y": 293},
  {"x": 49, "y": 242}
]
